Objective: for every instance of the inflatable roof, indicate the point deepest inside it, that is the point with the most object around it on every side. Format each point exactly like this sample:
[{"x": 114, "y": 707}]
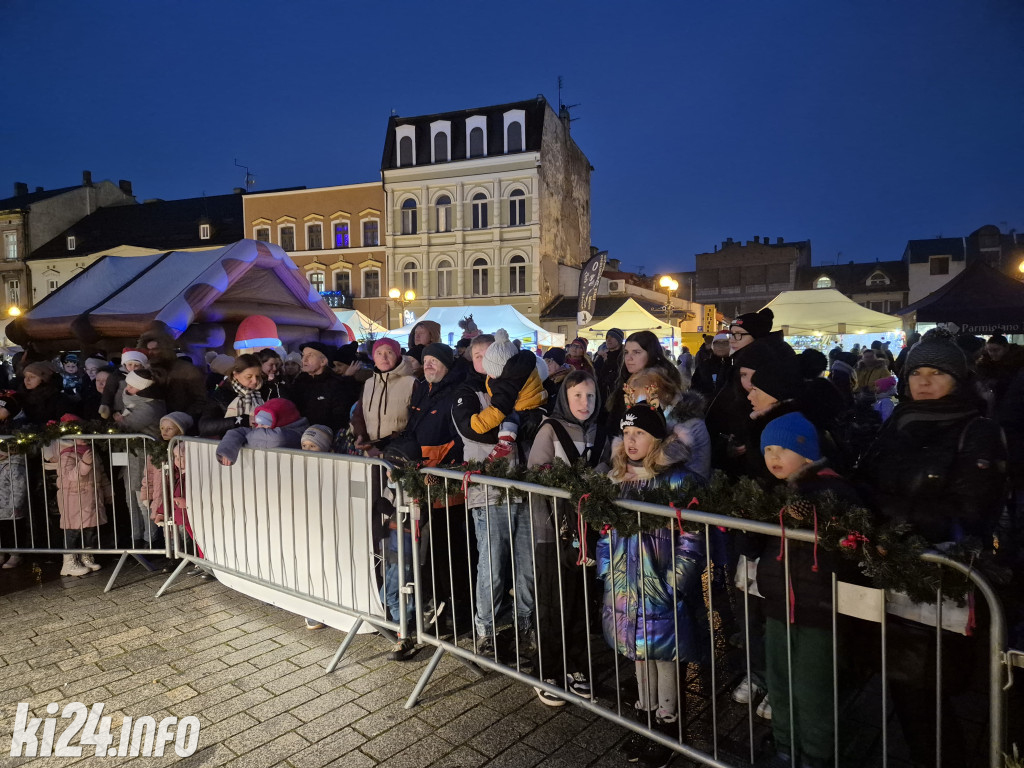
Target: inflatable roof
[{"x": 201, "y": 295}]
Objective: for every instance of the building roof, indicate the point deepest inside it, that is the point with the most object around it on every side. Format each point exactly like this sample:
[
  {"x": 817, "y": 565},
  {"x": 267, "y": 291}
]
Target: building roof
[
  {"x": 853, "y": 277},
  {"x": 986, "y": 243},
  {"x": 565, "y": 307},
  {"x": 164, "y": 225},
  {"x": 535, "y": 109},
  {"x": 24, "y": 201}
]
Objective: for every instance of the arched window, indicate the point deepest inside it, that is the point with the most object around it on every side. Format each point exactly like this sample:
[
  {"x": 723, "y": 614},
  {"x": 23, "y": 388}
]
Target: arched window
[
  {"x": 445, "y": 286},
  {"x": 517, "y": 275},
  {"x": 405, "y": 151},
  {"x": 515, "y": 137},
  {"x": 480, "y": 287},
  {"x": 440, "y": 147},
  {"x": 410, "y": 277},
  {"x": 476, "y": 142},
  {"x": 479, "y": 210},
  {"x": 516, "y": 208},
  {"x": 878, "y": 278},
  {"x": 409, "y": 218},
  {"x": 444, "y": 213},
  {"x": 823, "y": 282}
]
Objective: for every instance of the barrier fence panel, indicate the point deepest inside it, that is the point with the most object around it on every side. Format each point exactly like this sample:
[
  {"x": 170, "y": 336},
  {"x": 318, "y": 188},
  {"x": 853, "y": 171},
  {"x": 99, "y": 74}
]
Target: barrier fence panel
[
  {"x": 511, "y": 579},
  {"x": 292, "y": 528},
  {"x": 80, "y": 496}
]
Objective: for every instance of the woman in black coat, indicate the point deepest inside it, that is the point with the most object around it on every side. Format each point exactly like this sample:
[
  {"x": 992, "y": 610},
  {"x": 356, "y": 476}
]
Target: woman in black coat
[
  {"x": 41, "y": 397},
  {"x": 940, "y": 466}
]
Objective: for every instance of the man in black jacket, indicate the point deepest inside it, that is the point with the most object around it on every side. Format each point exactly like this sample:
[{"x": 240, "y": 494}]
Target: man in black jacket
[
  {"x": 607, "y": 367},
  {"x": 319, "y": 394}
]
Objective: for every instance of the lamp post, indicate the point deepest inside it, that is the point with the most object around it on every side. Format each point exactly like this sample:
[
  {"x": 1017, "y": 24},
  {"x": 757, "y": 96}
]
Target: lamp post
[
  {"x": 671, "y": 286},
  {"x": 402, "y": 298},
  {"x": 13, "y": 311}
]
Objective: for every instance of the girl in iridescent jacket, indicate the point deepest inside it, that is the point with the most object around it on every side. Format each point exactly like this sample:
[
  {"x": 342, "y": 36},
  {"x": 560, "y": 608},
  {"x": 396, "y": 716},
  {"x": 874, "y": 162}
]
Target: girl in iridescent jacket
[{"x": 651, "y": 578}]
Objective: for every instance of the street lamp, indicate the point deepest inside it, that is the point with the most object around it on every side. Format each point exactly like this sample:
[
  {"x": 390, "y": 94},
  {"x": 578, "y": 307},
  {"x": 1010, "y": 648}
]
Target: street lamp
[
  {"x": 403, "y": 298},
  {"x": 671, "y": 286},
  {"x": 14, "y": 311}
]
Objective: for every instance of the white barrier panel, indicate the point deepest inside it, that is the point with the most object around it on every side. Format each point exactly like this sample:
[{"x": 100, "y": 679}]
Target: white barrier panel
[{"x": 291, "y": 519}]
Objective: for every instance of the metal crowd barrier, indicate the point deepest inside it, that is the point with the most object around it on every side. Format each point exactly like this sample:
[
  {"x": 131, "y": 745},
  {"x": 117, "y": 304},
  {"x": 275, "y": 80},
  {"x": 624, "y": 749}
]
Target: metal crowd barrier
[
  {"x": 523, "y": 617},
  {"x": 78, "y": 496},
  {"x": 291, "y": 528}
]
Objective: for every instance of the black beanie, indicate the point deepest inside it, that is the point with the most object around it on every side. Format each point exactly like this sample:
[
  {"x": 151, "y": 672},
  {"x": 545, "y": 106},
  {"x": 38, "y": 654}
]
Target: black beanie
[
  {"x": 780, "y": 378},
  {"x": 998, "y": 338},
  {"x": 812, "y": 363},
  {"x": 757, "y": 324},
  {"x": 646, "y": 417},
  {"x": 441, "y": 352},
  {"x": 938, "y": 350},
  {"x": 557, "y": 354}
]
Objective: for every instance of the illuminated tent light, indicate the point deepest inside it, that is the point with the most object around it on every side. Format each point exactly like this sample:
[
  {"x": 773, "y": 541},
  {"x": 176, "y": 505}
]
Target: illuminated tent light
[{"x": 257, "y": 332}]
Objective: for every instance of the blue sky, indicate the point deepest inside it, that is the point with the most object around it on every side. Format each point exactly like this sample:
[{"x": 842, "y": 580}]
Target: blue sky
[{"x": 857, "y": 125}]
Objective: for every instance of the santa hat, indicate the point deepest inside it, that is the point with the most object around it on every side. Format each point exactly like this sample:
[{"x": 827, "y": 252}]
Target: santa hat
[
  {"x": 276, "y": 412},
  {"x": 257, "y": 332}
]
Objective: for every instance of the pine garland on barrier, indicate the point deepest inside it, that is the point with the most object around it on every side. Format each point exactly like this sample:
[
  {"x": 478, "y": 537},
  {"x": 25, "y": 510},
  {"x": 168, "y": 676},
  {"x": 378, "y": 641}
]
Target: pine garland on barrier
[
  {"x": 26, "y": 440},
  {"x": 888, "y": 554}
]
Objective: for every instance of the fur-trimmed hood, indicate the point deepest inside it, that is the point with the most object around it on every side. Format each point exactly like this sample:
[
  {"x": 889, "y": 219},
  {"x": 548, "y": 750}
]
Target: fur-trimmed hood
[{"x": 691, "y": 405}]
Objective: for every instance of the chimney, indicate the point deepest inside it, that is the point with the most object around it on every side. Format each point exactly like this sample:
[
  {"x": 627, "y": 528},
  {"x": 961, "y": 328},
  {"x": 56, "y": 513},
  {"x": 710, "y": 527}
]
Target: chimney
[
  {"x": 20, "y": 188},
  {"x": 125, "y": 186},
  {"x": 86, "y": 178},
  {"x": 757, "y": 238},
  {"x": 39, "y": 189},
  {"x": 728, "y": 241},
  {"x": 563, "y": 115},
  {"x": 779, "y": 241}
]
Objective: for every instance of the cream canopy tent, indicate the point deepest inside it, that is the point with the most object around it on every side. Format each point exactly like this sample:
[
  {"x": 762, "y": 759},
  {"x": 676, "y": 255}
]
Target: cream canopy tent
[
  {"x": 359, "y": 324},
  {"x": 487, "y": 319},
  {"x": 629, "y": 318},
  {"x": 826, "y": 311}
]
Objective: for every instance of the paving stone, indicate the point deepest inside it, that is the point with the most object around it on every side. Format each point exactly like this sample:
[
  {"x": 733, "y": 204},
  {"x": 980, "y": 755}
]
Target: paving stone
[
  {"x": 354, "y": 759},
  {"x": 331, "y": 701},
  {"x": 331, "y": 722},
  {"x": 467, "y": 725},
  {"x": 274, "y": 753},
  {"x": 520, "y": 756},
  {"x": 419, "y": 754},
  {"x": 282, "y": 703},
  {"x": 325, "y": 751},
  {"x": 460, "y": 757},
  {"x": 261, "y": 733},
  {"x": 293, "y": 680}
]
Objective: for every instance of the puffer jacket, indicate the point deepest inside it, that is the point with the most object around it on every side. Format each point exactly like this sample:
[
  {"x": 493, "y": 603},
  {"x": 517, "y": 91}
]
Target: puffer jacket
[
  {"x": 651, "y": 586},
  {"x": 82, "y": 489},
  {"x": 938, "y": 465},
  {"x": 471, "y": 398},
  {"x": 286, "y": 436},
  {"x": 386, "y": 398},
  {"x": 13, "y": 487},
  {"x": 141, "y": 415},
  {"x": 686, "y": 419}
]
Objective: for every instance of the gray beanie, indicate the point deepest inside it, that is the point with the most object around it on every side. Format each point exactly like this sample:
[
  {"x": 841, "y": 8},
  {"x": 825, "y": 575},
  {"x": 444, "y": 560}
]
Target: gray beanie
[
  {"x": 180, "y": 419},
  {"x": 938, "y": 350},
  {"x": 499, "y": 353},
  {"x": 320, "y": 436}
]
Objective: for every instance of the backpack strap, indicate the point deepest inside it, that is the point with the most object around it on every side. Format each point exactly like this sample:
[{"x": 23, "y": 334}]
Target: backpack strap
[{"x": 568, "y": 446}]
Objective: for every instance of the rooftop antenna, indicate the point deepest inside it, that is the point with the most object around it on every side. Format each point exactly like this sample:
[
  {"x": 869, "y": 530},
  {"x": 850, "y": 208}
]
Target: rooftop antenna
[
  {"x": 563, "y": 109},
  {"x": 250, "y": 180}
]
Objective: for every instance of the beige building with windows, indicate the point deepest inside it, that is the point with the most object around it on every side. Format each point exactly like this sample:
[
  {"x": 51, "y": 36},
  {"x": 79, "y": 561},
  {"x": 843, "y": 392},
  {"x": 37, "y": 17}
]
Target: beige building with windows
[
  {"x": 336, "y": 237},
  {"x": 484, "y": 205}
]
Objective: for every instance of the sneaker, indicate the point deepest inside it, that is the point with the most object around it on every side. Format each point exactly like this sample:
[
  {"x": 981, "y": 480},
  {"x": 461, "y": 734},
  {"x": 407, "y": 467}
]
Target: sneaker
[
  {"x": 485, "y": 646},
  {"x": 88, "y": 562},
  {"x": 404, "y": 649},
  {"x": 764, "y": 709},
  {"x": 12, "y": 562},
  {"x": 578, "y": 683},
  {"x": 746, "y": 691},
  {"x": 432, "y": 614},
  {"x": 314, "y": 624},
  {"x": 633, "y": 746},
  {"x": 72, "y": 567},
  {"x": 655, "y": 755},
  {"x": 546, "y": 697}
]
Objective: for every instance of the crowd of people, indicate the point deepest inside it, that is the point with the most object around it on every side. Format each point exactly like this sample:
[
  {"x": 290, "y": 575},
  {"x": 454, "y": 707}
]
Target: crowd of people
[{"x": 925, "y": 437}]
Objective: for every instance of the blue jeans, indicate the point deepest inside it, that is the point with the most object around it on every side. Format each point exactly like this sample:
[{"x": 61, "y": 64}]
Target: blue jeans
[
  {"x": 505, "y": 545},
  {"x": 389, "y": 593}
]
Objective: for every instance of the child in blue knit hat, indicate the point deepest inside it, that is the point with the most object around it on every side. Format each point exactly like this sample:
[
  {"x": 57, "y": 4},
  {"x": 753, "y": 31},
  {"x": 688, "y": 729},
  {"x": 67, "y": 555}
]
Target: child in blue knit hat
[{"x": 792, "y": 453}]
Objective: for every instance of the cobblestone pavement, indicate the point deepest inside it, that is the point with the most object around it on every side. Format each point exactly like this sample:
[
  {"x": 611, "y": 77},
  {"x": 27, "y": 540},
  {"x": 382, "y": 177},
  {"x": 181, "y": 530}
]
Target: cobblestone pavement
[{"x": 256, "y": 679}]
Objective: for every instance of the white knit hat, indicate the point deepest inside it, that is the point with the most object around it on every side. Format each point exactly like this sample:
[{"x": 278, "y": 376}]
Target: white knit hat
[
  {"x": 138, "y": 382},
  {"x": 499, "y": 353}
]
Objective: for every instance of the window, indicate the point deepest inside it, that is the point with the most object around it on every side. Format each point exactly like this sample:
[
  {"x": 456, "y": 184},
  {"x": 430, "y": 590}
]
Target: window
[
  {"x": 204, "y": 233},
  {"x": 444, "y": 214},
  {"x": 371, "y": 284},
  {"x": 341, "y": 238},
  {"x": 877, "y": 306},
  {"x": 445, "y": 286},
  {"x": 11, "y": 246},
  {"x": 51, "y": 286},
  {"x": 72, "y": 243},
  {"x": 371, "y": 233},
  {"x": 440, "y": 147},
  {"x": 823, "y": 282},
  {"x": 938, "y": 265},
  {"x": 343, "y": 282},
  {"x": 476, "y": 142},
  {"x": 517, "y": 275},
  {"x": 405, "y": 151},
  {"x": 263, "y": 234},
  {"x": 480, "y": 277},
  {"x": 410, "y": 277},
  {"x": 288, "y": 238},
  {"x": 878, "y": 278},
  {"x": 14, "y": 291},
  {"x": 516, "y": 208},
  {"x": 316, "y": 279},
  {"x": 479, "y": 211},
  {"x": 315, "y": 238},
  {"x": 409, "y": 223},
  {"x": 515, "y": 137},
  {"x": 895, "y": 305}
]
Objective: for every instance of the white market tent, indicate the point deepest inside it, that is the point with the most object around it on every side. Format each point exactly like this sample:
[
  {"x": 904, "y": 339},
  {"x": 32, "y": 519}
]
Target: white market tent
[
  {"x": 359, "y": 324},
  {"x": 487, "y": 319},
  {"x": 629, "y": 318},
  {"x": 826, "y": 311}
]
